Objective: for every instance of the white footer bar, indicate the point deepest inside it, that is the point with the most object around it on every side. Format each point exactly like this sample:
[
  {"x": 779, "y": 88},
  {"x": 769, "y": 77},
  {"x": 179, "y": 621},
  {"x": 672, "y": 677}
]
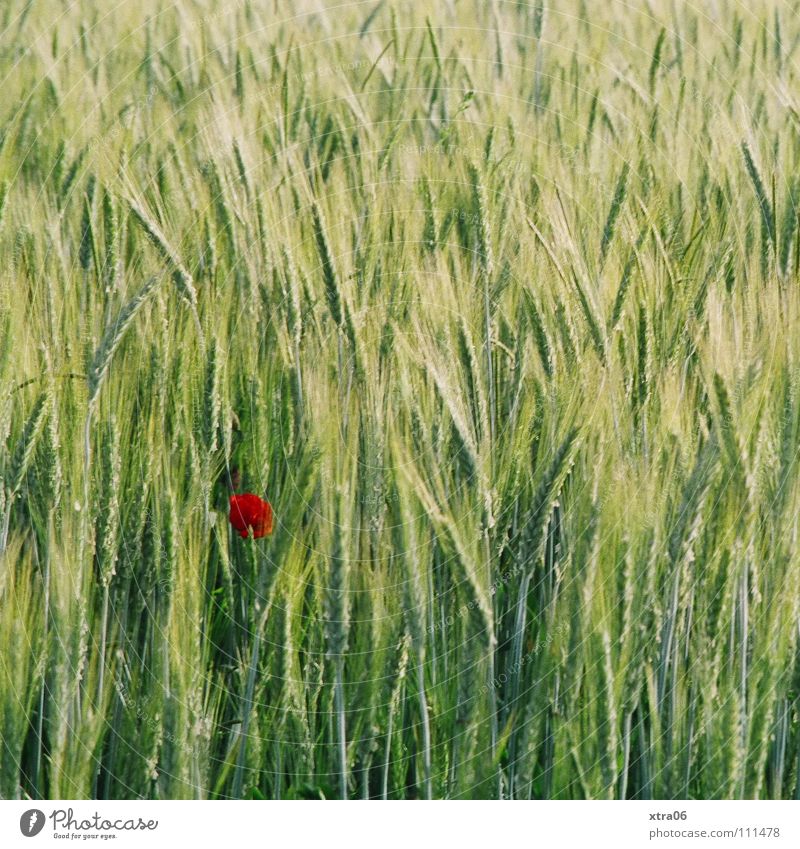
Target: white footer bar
[{"x": 404, "y": 825}]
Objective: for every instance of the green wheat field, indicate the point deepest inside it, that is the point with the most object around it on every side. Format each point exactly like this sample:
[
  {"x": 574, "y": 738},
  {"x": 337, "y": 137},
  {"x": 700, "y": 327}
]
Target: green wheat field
[{"x": 497, "y": 303}]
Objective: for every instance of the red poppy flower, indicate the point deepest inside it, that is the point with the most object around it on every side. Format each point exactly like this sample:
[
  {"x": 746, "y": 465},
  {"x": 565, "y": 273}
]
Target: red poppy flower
[{"x": 250, "y": 511}]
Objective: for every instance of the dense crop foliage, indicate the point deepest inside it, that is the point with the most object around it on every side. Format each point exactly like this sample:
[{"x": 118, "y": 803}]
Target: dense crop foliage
[{"x": 496, "y": 303}]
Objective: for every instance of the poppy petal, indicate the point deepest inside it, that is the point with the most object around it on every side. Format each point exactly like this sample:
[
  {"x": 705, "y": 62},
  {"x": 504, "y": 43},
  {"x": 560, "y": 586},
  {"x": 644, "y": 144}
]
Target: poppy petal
[{"x": 249, "y": 511}]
